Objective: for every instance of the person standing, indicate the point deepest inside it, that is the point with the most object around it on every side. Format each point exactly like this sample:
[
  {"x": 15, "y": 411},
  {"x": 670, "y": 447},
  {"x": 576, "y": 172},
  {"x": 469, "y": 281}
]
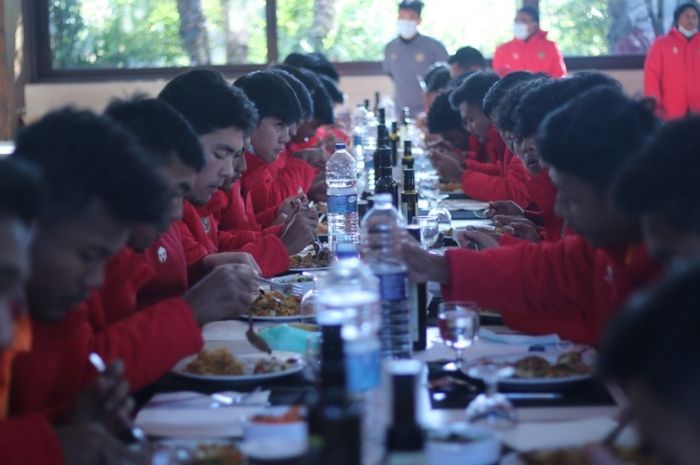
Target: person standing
[
  {"x": 408, "y": 56},
  {"x": 672, "y": 68},
  {"x": 530, "y": 50}
]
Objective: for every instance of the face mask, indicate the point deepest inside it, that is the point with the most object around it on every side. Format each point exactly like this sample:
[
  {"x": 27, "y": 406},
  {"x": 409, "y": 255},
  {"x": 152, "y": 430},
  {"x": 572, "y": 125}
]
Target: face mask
[
  {"x": 687, "y": 32},
  {"x": 407, "y": 29},
  {"x": 520, "y": 31}
]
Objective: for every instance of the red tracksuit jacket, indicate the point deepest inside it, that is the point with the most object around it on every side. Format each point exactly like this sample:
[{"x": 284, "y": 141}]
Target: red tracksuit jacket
[
  {"x": 29, "y": 440},
  {"x": 508, "y": 184},
  {"x": 672, "y": 74},
  {"x": 201, "y": 236},
  {"x": 568, "y": 287},
  {"x": 536, "y": 54}
]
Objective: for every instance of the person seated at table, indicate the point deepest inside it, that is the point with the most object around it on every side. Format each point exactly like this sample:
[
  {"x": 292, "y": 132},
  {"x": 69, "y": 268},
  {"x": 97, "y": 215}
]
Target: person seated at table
[
  {"x": 223, "y": 118},
  {"x": 451, "y": 139},
  {"x": 570, "y": 287},
  {"x": 315, "y": 62},
  {"x": 659, "y": 186},
  {"x": 82, "y": 438},
  {"x": 465, "y": 61},
  {"x": 650, "y": 352},
  {"x": 505, "y": 179},
  {"x": 99, "y": 184}
]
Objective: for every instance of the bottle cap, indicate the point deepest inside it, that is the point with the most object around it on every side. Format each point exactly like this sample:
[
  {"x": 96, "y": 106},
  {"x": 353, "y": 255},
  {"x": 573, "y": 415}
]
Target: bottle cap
[{"x": 340, "y": 146}]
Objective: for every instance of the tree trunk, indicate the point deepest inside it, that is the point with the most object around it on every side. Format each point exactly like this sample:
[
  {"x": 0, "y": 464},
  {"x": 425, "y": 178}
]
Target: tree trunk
[
  {"x": 324, "y": 16},
  {"x": 655, "y": 19},
  {"x": 7, "y": 91},
  {"x": 193, "y": 31}
]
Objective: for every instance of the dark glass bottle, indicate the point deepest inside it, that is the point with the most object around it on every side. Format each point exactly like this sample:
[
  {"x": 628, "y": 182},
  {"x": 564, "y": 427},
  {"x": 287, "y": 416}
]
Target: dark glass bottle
[
  {"x": 386, "y": 184},
  {"x": 407, "y": 160},
  {"x": 394, "y": 141},
  {"x": 405, "y": 440},
  {"x": 334, "y": 421},
  {"x": 382, "y": 142},
  {"x": 377, "y": 98}
]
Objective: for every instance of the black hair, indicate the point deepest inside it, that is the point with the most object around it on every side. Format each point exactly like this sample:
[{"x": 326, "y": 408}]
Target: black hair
[
  {"x": 498, "y": 91},
  {"x": 332, "y": 88},
  {"x": 439, "y": 80},
  {"x": 468, "y": 57},
  {"x": 21, "y": 191},
  {"x": 414, "y": 5},
  {"x": 272, "y": 96},
  {"x": 593, "y": 135},
  {"x": 681, "y": 8},
  {"x": 323, "y": 106},
  {"x": 300, "y": 90},
  {"x": 505, "y": 115},
  {"x": 84, "y": 157},
  {"x": 442, "y": 117},
  {"x": 160, "y": 129},
  {"x": 208, "y": 103},
  {"x": 315, "y": 62},
  {"x": 473, "y": 89},
  {"x": 662, "y": 177},
  {"x": 532, "y": 12},
  {"x": 653, "y": 341},
  {"x": 536, "y": 104}
]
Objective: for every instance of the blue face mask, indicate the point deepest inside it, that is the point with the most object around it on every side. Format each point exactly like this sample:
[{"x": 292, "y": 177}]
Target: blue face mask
[{"x": 687, "y": 32}]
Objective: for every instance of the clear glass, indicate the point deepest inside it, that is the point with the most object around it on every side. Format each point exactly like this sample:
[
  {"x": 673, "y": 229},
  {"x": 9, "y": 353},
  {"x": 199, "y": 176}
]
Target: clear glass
[
  {"x": 429, "y": 230},
  {"x": 459, "y": 328},
  {"x": 443, "y": 215},
  {"x": 491, "y": 408}
]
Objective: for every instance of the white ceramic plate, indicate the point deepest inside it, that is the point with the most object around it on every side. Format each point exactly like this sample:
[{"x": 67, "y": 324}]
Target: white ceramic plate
[
  {"x": 279, "y": 319},
  {"x": 249, "y": 360},
  {"x": 551, "y": 354}
]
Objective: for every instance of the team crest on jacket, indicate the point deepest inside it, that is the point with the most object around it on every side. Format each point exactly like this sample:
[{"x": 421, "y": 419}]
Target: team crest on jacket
[
  {"x": 516, "y": 56},
  {"x": 162, "y": 254},
  {"x": 609, "y": 275},
  {"x": 206, "y": 224},
  {"x": 420, "y": 57},
  {"x": 675, "y": 50}
]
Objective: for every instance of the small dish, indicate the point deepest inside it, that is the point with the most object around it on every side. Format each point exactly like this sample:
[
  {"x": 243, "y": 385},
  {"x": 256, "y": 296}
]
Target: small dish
[{"x": 462, "y": 444}]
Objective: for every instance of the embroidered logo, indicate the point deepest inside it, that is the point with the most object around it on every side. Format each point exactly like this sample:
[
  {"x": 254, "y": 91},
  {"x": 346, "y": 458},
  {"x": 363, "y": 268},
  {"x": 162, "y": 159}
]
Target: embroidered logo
[
  {"x": 540, "y": 55},
  {"x": 609, "y": 275},
  {"x": 206, "y": 224},
  {"x": 162, "y": 255},
  {"x": 516, "y": 56},
  {"x": 420, "y": 57},
  {"x": 675, "y": 50}
]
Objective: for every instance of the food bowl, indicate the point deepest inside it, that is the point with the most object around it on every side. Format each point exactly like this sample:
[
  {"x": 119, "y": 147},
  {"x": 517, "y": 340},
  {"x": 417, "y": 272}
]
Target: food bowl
[
  {"x": 462, "y": 444},
  {"x": 277, "y": 422}
]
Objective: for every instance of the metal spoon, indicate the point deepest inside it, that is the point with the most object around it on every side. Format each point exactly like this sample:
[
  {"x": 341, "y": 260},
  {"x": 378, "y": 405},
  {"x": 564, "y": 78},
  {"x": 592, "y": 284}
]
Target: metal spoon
[
  {"x": 100, "y": 366},
  {"x": 255, "y": 339}
]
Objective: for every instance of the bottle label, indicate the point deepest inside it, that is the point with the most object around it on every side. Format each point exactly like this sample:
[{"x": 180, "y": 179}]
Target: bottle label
[
  {"x": 342, "y": 203},
  {"x": 394, "y": 286},
  {"x": 363, "y": 366},
  {"x": 414, "y": 306}
]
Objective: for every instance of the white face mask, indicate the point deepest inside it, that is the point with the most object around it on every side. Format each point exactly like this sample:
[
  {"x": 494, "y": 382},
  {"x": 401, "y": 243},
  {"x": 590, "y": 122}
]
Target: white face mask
[
  {"x": 687, "y": 32},
  {"x": 520, "y": 30},
  {"x": 407, "y": 28}
]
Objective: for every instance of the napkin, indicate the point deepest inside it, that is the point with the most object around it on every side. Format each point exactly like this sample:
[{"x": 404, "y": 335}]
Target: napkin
[
  {"x": 554, "y": 435},
  {"x": 229, "y": 330},
  {"x": 193, "y": 399},
  {"x": 193, "y": 418},
  {"x": 517, "y": 339},
  {"x": 464, "y": 204},
  {"x": 287, "y": 338}
]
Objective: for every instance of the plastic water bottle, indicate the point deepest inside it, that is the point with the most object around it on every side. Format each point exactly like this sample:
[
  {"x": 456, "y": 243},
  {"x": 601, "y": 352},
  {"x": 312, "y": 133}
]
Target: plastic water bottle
[
  {"x": 349, "y": 296},
  {"x": 381, "y": 251},
  {"x": 341, "y": 177}
]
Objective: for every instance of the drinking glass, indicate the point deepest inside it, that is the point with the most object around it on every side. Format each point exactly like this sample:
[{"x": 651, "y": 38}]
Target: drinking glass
[
  {"x": 459, "y": 327},
  {"x": 491, "y": 408},
  {"x": 429, "y": 230},
  {"x": 443, "y": 215}
]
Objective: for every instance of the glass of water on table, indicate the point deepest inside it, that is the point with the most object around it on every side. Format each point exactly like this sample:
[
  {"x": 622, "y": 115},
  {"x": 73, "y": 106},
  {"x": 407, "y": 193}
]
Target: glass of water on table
[
  {"x": 459, "y": 328},
  {"x": 429, "y": 230}
]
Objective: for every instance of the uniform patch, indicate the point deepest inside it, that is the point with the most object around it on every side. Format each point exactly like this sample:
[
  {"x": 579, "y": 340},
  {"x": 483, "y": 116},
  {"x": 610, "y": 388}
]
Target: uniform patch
[
  {"x": 420, "y": 57},
  {"x": 675, "y": 50},
  {"x": 516, "y": 56},
  {"x": 206, "y": 224},
  {"x": 162, "y": 254},
  {"x": 394, "y": 56}
]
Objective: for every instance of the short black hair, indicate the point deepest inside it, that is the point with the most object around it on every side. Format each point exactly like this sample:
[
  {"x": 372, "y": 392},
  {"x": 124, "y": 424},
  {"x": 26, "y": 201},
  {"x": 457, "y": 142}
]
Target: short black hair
[
  {"x": 323, "y": 106},
  {"x": 21, "y": 191},
  {"x": 662, "y": 178},
  {"x": 536, "y": 104},
  {"x": 498, "y": 91},
  {"x": 414, "y": 5},
  {"x": 439, "y": 80},
  {"x": 160, "y": 129},
  {"x": 532, "y": 12},
  {"x": 315, "y": 62},
  {"x": 505, "y": 116},
  {"x": 681, "y": 8},
  {"x": 442, "y": 117},
  {"x": 653, "y": 341},
  {"x": 300, "y": 90},
  {"x": 84, "y": 157},
  {"x": 272, "y": 96},
  {"x": 593, "y": 135},
  {"x": 208, "y": 103},
  {"x": 332, "y": 88},
  {"x": 473, "y": 89},
  {"x": 467, "y": 57}
]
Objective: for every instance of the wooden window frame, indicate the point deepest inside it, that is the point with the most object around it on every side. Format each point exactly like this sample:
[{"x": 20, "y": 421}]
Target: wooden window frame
[{"x": 38, "y": 51}]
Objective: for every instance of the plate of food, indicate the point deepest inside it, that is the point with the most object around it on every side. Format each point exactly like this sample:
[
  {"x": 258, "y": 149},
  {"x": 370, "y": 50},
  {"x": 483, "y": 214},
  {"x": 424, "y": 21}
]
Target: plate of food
[
  {"x": 450, "y": 187},
  {"x": 200, "y": 452},
  {"x": 220, "y": 364},
  {"x": 311, "y": 261},
  {"x": 550, "y": 369},
  {"x": 276, "y": 306},
  {"x": 575, "y": 456}
]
